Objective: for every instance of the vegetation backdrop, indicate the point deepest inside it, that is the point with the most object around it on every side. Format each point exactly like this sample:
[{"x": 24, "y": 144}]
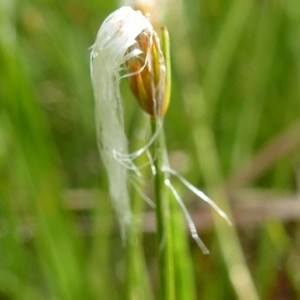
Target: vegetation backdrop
[{"x": 232, "y": 129}]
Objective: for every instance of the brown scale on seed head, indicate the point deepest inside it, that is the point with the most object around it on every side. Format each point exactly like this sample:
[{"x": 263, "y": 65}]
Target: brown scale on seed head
[{"x": 149, "y": 71}]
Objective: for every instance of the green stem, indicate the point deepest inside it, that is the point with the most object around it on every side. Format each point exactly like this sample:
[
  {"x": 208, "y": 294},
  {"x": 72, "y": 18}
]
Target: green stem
[
  {"x": 164, "y": 237},
  {"x": 137, "y": 286}
]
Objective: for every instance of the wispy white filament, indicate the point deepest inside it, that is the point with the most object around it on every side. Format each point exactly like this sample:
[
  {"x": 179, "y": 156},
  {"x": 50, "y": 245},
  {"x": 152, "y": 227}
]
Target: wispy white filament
[
  {"x": 198, "y": 193},
  {"x": 116, "y": 44},
  {"x": 188, "y": 218},
  {"x": 110, "y": 51}
]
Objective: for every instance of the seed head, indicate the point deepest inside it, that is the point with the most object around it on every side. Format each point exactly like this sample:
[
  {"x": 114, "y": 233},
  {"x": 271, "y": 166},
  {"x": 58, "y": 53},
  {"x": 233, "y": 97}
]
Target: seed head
[{"x": 148, "y": 74}]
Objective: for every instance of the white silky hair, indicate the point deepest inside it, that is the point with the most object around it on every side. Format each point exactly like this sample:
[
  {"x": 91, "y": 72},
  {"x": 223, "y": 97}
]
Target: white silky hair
[
  {"x": 109, "y": 53},
  {"x": 113, "y": 47}
]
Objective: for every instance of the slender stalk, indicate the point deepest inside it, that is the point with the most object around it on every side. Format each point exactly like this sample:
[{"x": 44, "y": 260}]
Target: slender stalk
[
  {"x": 163, "y": 230},
  {"x": 137, "y": 279}
]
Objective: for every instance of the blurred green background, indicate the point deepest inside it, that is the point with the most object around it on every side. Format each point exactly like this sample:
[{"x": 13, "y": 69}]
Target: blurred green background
[{"x": 232, "y": 129}]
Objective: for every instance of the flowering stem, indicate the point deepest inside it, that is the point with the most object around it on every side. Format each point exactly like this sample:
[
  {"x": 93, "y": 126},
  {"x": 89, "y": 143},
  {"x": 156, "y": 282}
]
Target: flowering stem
[
  {"x": 137, "y": 286},
  {"x": 164, "y": 237}
]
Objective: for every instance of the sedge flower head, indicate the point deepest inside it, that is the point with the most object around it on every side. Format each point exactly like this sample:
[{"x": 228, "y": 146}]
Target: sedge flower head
[
  {"x": 127, "y": 45},
  {"x": 126, "y": 41}
]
